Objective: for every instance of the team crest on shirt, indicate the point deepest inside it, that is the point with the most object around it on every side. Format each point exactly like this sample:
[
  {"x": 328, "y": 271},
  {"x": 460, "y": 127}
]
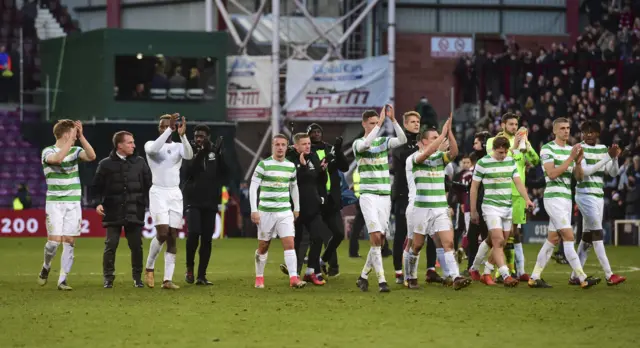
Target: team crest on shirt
[
  {"x": 546, "y": 156},
  {"x": 372, "y": 225},
  {"x": 169, "y": 151},
  {"x": 212, "y": 156}
]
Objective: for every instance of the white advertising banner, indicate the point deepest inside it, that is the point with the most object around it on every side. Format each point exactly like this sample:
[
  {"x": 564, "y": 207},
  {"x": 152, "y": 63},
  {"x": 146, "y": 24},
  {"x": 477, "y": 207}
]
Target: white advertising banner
[
  {"x": 337, "y": 90},
  {"x": 450, "y": 47},
  {"x": 248, "y": 88}
]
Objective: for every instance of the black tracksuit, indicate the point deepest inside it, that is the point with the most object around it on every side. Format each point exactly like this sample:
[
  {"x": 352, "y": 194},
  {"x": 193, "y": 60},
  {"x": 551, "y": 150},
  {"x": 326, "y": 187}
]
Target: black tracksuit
[
  {"x": 312, "y": 192},
  {"x": 401, "y": 200},
  {"x": 336, "y": 161},
  {"x": 202, "y": 178},
  {"x": 122, "y": 186}
]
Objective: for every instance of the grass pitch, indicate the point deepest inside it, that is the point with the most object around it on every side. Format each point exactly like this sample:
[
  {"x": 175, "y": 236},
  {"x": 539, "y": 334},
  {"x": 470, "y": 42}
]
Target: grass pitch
[{"x": 234, "y": 314}]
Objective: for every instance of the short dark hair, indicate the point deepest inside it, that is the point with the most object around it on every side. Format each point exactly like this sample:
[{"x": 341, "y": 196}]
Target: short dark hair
[
  {"x": 368, "y": 114},
  {"x": 509, "y": 115},
  {"x": 590, "y": 126},
  {"x": 482, "y": 136},
  {"x": 473, "y": 157},
  {"x": 280, "y": 136},
  {"x": 299, "y": 136},
  {"x": 425, "y": 133},
  {"x": 501, "y": 143},
  {"x": 202, "y": 127},
  {"x": 118, "y": 137}
]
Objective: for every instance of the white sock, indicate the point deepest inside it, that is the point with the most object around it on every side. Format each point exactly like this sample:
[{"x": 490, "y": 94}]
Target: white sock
[
  {"x": 405, "y": 264},
  {"x": 169, "y": 265},
  {"x": 543, "y": 257},
  {"x": 413, "y": 261},
  {"x": 367, "y": 267},
  {"x": 154, "y": 251},
  {"x": 50, "y": 250},
  {"x": 309, "y": 271},
  {"x": 376, "y": 262},
  {"x": 574, "y": 261},
  {"x": 483, "y": 250},
  {"x": 488, "y": 268},
  {"x": 452, "y": 265},
  {"x": 583, "y": 248},
  {"x": 291, "y": 261},
  {"x": 598, "y": 246},
  {"x": 519, "y": 253},
  {"x": 261, "y": 261},
  {"x": 504, "y": 271},
  {"x": 442, "y": 261},
  {"x": 66, "y": 261}
]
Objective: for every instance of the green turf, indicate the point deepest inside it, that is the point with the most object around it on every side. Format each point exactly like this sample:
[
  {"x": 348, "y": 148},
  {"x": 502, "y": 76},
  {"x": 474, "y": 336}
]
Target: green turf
[{"x": 234, "y": 314}]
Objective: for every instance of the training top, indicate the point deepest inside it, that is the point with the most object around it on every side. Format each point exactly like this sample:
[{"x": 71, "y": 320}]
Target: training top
[
  {"x": 429, "y": 179},
  {"x": 521, "y": 159},
  {"x": 373, "y": 166},
  {"x": 556, "y": 154},
  {"x": 63, "y": 181},
  {"x": 593, "y": 184},
  {"x": 165, "y": 159},
  {"x": 497, "y": 177},
  {"x": 274, "y": 179}
]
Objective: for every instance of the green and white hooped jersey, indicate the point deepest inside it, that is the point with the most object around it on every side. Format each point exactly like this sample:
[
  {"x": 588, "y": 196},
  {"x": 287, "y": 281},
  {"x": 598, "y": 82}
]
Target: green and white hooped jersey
[
  {"x": 593, "y": 184},
  {"x": 63, "y": 181},
  {"x": 429, "y": 179},
  {"x": 556, "y": 154},
  {"x": 274, "y": 178},
  {"x": 373, "y": 167},
  {"x": 496, "y": 177}
]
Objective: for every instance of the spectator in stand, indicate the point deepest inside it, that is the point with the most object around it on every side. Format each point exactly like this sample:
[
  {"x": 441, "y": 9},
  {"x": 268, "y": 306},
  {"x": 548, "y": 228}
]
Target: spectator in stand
[
  {"x": 177, "y": 80},
  {"x": 5, "y": 74},
  {"x": 22, "y": 199}
]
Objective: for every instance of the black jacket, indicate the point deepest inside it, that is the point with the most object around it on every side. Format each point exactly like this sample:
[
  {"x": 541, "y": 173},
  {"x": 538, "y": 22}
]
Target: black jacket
[
  {"x": 203, "y": 178},
  {"x": 311, "y": 183},
  {"x": 122, "y": 188},
  {"x": 336, "y": 161},
  {"x": 400, "y": 186}
]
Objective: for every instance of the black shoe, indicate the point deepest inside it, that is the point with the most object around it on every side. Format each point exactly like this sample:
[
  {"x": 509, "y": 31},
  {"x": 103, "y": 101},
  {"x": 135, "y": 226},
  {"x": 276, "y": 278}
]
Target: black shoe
[
  {"x": 589, "y": 282},
  {"x": 387, "y": 253},
  {"x": 384, "y": 287},
  {"x": 108, "y": 284},
  {"x": 355, "y": 256},
  {"x": 284, "y": 269},
  {"x": 203, "y": 281},
  {"x": 433, "y": 277},
  {"x": 333, "y": 272},
  {"x": 363, "y": 284},
  {"x": 43, "y": 276},
  {"x": 188, "y": 277},
  {"x": 538, "y": 283},
  {"x": 138, "y": 283}
]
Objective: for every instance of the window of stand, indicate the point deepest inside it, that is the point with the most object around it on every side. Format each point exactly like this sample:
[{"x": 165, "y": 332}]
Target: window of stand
[{"x": 165, "y": 79}]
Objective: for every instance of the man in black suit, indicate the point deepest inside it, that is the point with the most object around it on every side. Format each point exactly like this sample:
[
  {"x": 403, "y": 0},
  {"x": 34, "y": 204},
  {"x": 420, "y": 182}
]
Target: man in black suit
[{"x": 121, "y": 191}]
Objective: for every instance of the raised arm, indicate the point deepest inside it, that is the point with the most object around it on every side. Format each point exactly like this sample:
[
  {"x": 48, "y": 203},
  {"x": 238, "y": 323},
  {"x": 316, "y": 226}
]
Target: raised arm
[
  {"x": 578, "y": 172},
  {"x": 549, "y": 166},
  {"x": 591, "y": 169},
  {"x": 400, "y": 138},
  {"x": 187, "y": 150},
  {"x": 88, "y": 154},
  {"x": 51, "y": 157},
  {"x": 154, "y": 147},
  {"x": 363, "y": 145},
  {"x": 531, "y": 155},
  {"x": 453, "y": 145},
  {"x": 613, "y": 168}
]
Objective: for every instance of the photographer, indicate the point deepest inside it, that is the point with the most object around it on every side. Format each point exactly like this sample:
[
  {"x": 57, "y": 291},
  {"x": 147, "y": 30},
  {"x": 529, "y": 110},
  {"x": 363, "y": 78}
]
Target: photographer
[{"x": 202, "y": 179}]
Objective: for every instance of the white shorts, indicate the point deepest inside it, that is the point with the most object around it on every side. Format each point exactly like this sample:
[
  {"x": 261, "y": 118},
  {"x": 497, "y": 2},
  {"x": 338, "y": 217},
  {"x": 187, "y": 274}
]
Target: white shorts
[
  {"x": 409, "y": 216},
  {"x": 429, "y": 221},
  {"x": 276, "y": 225},
  {"x": 592, "y": 209},
  {"x": 497, "y": 218},
  {"x": 376, "y": 211},
  {"x": 165, "y": 206},
  {"x": 63, "y": 218},
  {"x": 559, "y": 210}
]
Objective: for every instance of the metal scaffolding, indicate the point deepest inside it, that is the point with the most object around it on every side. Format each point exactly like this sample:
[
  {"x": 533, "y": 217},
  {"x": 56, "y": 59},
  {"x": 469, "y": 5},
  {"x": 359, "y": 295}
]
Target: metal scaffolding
[{"x": 300, "y": 50}]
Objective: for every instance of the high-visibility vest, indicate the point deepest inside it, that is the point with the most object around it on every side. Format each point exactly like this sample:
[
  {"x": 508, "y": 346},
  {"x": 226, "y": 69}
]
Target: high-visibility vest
[
  {"x": 223, "y": 202},
  {"x": 17, "y": 205},
  {"x": 356, "y": 183},
  {"x": 321, "y": 155}
]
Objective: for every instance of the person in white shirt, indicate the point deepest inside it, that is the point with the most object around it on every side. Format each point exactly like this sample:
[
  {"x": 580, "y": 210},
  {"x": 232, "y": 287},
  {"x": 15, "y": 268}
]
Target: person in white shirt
[{"x": 165, "y": 198}]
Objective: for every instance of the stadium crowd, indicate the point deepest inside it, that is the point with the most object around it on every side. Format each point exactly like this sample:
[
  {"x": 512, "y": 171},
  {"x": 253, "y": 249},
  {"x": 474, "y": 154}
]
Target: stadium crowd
[{"x": 598, "y": 78}]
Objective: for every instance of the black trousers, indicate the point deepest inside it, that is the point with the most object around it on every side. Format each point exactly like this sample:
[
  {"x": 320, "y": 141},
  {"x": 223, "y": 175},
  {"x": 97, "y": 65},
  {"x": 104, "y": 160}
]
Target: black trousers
[
  {"x": 133, "y": 233},
  {"x": 476, "y": 230},
  {"x": 401, "y": 233},
  {"x": 356, "y": 229},
  {"x": 201, "y": 223},
  {"x": 333, "y": 220},
  {"x": 317, "y": 229}
]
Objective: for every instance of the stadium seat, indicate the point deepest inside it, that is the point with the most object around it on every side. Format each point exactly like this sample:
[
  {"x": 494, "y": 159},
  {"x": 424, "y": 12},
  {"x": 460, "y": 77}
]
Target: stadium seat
[
  {"x": 177, "y": 93},
  {"x": 158, "y": 94},
  {"x": 195, "y": 93}
]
